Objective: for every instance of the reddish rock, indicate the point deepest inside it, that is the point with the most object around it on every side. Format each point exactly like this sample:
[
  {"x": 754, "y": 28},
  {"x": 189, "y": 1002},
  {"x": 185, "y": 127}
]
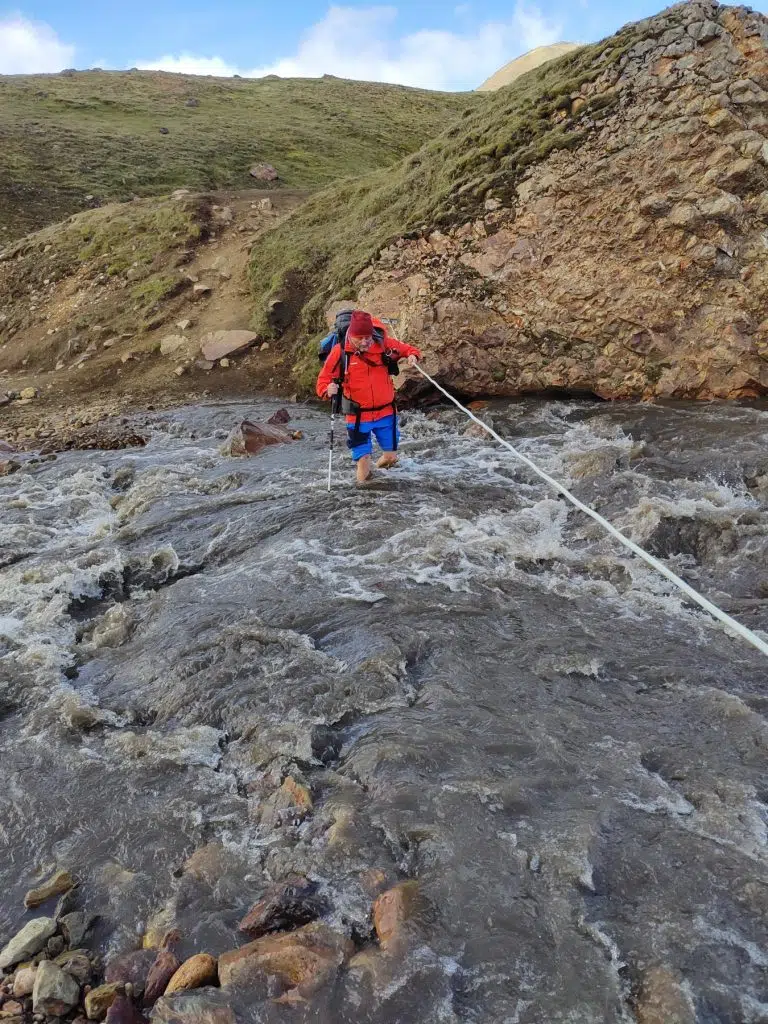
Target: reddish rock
[
  {"x": 281, "y": 416},
  {"x": 291, "y": 902},
  {"x": 249, "y": 438},
  {"x": 162, "y": 970},
  {"x": 300, "y": 961}
]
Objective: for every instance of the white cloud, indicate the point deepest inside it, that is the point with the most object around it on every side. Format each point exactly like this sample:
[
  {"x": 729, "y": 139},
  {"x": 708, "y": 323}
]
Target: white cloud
[
  {"x": 30, "y": 47},
  {"x": 362, "y": 43}
]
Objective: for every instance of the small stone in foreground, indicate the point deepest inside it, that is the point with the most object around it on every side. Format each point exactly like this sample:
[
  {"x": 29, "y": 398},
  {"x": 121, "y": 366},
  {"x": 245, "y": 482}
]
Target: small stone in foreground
[{"x": 24, "y": 982}]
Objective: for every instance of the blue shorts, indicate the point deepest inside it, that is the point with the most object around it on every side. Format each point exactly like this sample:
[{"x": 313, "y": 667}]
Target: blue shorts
[{"x": 386, "y": 431}]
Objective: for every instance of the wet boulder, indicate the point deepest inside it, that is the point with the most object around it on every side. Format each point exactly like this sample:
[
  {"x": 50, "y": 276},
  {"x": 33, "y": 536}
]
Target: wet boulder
[
  {"x": 300, "y": 961},
  {"x": 293, "y": 901},
  {"x": 30, "y": 940},
  {"x": 249, "y": 438},
  {"x": 280, "y": 417}
]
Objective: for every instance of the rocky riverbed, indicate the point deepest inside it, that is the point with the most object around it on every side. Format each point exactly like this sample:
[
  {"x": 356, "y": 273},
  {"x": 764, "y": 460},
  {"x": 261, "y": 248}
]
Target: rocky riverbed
[{"x": 435, "y": 750}]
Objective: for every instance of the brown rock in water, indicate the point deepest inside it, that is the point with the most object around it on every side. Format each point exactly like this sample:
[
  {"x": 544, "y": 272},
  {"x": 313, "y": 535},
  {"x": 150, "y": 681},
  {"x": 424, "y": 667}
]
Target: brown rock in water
[
  {"x": 281, "y": 416},
  {"x": 291, "y": 803},
  {"x": 249, "y": 438},
  {"x": 131, "y": 968},
  {"x": 224, "y": 343},
  {"x": 264, "y": 172},
  {"x": 162, "y": 970},
  {"x": 662, "y": 1000},
  {"x": 196, "y": 972},
  {"x": 293, "y": 901},
  {"x": 394, "y": 914},
  {"x": 301, "y": 961}
]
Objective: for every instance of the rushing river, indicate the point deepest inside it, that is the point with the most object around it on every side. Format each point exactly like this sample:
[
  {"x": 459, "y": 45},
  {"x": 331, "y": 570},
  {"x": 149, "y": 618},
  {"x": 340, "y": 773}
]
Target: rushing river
[{"x": 569, "y": 757}]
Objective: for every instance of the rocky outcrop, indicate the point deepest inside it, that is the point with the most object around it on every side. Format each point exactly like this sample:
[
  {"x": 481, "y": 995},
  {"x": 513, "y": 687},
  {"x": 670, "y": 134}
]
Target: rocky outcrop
[{"x": 633, "y": 265}]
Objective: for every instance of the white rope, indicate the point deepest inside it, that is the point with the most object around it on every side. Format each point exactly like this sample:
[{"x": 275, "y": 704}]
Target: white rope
[{"x": 718, "y": 613}]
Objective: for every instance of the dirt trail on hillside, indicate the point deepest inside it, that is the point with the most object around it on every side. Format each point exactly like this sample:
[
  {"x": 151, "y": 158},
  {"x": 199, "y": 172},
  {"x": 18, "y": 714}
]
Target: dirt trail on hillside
[{"x": 131, "y": 372}]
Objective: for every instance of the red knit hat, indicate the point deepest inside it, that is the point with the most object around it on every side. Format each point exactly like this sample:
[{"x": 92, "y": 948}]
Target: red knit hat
[{"x": 360, "y": 325}]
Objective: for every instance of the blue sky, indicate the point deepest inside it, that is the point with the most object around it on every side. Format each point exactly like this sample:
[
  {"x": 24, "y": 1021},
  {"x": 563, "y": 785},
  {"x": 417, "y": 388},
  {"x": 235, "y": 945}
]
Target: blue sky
[{"x": 431, "y": 43}]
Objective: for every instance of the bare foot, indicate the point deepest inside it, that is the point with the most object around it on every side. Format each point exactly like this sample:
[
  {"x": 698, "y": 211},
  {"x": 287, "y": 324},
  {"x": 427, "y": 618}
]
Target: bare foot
[
  {"x": 364, "y": 471},
  {"x": 387, "y": 461}
]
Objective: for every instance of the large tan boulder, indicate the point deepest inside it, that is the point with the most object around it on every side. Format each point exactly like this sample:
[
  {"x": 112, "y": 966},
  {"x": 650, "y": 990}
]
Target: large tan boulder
[
  {"x": 218, "y": 344},
  {"x": 527, "y": 62}
]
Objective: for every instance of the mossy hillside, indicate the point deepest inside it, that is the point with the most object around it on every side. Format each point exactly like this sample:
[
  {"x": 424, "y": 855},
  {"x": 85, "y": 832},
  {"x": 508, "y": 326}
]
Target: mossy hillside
[
  {"x": 316, "y": 254},
  {"x": 96, "y": 133},
  {"x": 129, "y": 257}
]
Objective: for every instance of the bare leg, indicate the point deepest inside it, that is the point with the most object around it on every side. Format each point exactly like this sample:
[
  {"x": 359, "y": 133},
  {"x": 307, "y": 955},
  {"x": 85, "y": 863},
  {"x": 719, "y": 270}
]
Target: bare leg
[
  {"x": 387, "y": 460},
  {"x": 364, "y": 469}
]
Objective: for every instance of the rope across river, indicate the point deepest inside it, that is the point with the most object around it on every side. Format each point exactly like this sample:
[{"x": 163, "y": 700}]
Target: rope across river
[{"x": 717, "y": 613}]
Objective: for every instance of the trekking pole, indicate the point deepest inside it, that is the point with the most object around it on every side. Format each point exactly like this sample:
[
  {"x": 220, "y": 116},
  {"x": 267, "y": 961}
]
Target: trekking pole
[
  {"x": 330, "y": 447},
  {"x": 335, "y": 408}
]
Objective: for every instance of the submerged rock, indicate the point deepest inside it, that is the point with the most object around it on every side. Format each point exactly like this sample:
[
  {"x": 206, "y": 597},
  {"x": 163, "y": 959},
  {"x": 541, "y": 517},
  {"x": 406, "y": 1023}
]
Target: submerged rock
[
  {"x": 61, "y": 882},
  {"x": 662, "y": 1000},
  {"x": 300, "y": 961},
  {"x": 394, "y": 914},
  {"x": 30, "y": 940},
  {"x": 200, "y": 1007}
]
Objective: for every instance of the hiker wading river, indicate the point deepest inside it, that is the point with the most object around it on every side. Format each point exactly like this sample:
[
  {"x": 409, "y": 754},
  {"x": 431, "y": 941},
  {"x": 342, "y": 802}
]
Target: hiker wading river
[
  {"x": 358, "y": 370},
  {"x": 216, "y": 675}
]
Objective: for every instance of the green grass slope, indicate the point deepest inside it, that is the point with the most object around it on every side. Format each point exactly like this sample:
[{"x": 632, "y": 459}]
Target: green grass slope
[
  {"x": 95, "y": 133},
  {"x": 318, "y": 251}
]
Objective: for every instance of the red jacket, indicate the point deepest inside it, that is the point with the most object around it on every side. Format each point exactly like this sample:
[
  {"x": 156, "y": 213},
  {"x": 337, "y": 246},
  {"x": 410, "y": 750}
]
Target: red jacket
[{"x": 367, "y": 379}]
